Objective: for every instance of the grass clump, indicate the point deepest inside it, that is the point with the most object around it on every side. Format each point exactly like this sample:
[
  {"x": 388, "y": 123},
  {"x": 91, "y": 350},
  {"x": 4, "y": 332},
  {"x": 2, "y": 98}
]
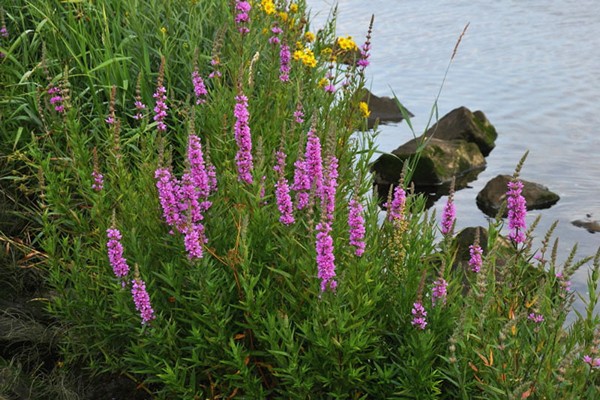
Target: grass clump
[{"x": 201, "y": 212}]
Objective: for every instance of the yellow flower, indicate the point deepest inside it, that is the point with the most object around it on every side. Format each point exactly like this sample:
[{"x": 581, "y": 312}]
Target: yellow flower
[
  {"x": 346, "y": 43},
  {"x": 309, "y": 37},
  {"x": 298, "y": 54},
  {"x": 283, "y": 15},
  {"x": 293, "y": 7},
  {"x": 163, "y": 30},
  {"x": 309, "y": 59},
  {"x": 364, "y": 109},
  {"x": 299, "y": 45},
  {"x": 323, "y": 82},
  {"x": 268, "y": 6}
]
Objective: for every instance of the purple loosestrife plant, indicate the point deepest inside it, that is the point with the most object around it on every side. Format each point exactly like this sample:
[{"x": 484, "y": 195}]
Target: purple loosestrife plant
[
  {"x": 169, "y": 194},
  {"x": 115, "y": 254},
  {"x": 199, "y": 88},
  {"x": 141, "y": 299},
  {"x": 56, "y": 99},
  {"x": 448, "y": 215},
  {"x": 284, "y": 64},
  {"x": 299, "y": 114},
  {"x": 325, "y": 256},
  {"x": 439, "y": 292},
  {"x": 98, "y": 184},
  {"x": 242, "y": 17},
  {"x": 160, "y": 107},
  {"x": 419, "y": 314},
  {"x": 356, "y": 223},
  {"x": 282, "y": 192},
  {"x": 517, "y": 210},
  {"x": 396, "y": 209},
  {"x": 276, "y": 31},
  {"x": 363, "y": 61},
  {"x": 537, "y": 318},
  {"x": 243, "y": 139},
  {"x": 476, "y": 260},
  {"x": 592, "y": 362},
  {"x": 309, "y": 171}
]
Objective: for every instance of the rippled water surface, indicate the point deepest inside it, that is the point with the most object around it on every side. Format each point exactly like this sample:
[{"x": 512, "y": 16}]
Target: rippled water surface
[{"x": 532, "y": 67}]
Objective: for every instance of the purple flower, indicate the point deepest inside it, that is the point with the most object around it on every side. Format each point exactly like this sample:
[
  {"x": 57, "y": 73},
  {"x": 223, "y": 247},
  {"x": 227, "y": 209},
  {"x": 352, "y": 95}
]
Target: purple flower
[
  {"x": 396, "y": 209},
  {"x": 3, "y": 31},
  {"x": 160, "y": 108},
  {"x": 308, "y": 172},
  {"x": 110, "y": 120},
  {"x": 215, "y": 64},
  {"x": 537, "y": 318},
  {"x": 243, "y": 139},
  {"x": 563, "y": 282},
  {"x": 329, "y": 88},
  {"x": 115, "y": 254},
  {"x": 439, "y": 291},
  {"x": 325, "y": 256},
  {"x": 419, "y": 316},
  {"x": 298, "y": 114},
  {"x": 98, "y": 184},
  {"x": 517, "y": 209},
  {"x": 476, "y": 260},
  {"x": 139, "y": 106},
  {"x": 169, "y": 194},
  {"x": 142, "y": 300},
  {"x": 199, "y": 173},
  {"x": 282, "y": 192},
  {"x": 275, "y": 38},
  {"x": 284, "y": 65},
  {"x": 193, "y": 240},
  {"x": 356, "y": 222},
  {"x": 199, "y": 87},
  {"x": 56, "y": 100},
  {"x": 593, "y": 362},
  {"x": 448, "y": 216},
  {"x": 242, "y": 18}
]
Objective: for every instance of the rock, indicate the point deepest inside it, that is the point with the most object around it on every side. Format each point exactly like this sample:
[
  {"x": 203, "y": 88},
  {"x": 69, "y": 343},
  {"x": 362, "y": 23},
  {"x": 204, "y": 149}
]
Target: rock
[
  {"x": 462, "y": 124},
  {"x": 491, "y": 197},
  {"x": 383, "y": 109},
  {"x": 440, "y": 161},
  {"x": 591, "y": 226}
]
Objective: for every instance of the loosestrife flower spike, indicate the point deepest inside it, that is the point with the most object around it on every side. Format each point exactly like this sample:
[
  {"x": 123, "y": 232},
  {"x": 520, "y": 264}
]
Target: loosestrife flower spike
[
  {"x": 439, "y": 291},
  {"x": 328, "y": 189},
  {"x": 298, "y": 114},
  {"x": 517, "y": 210},
  {"x": 356, "y": 222},
  {"x": 242, "y": 18},
  {"x": 282, "y": 192},
  {"x": 115, "y": 254},
  {"x": 448, "y": 216},
  {"x": 243, "y": 157},
  {"x": 98, "y": 184},
  {"x": 476, "y": 260},
  {"x": 141, "y": 299},
  {"x": 419, "y": 314},
  {"x": 325, "y": 256},
  {"x": 199, "y": 87},
  {"x": 160, "y": 108},
  {"x": 284, "y": 64},
  {"x": 396, "y": 208}
]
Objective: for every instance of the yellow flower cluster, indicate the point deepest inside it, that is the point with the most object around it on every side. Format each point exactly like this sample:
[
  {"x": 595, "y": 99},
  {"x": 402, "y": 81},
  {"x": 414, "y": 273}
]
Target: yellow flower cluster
[
  {"x": 346, "y": 43},
  {"x": 309, "y": 37},
  {"x": 306, "y": 56},
  {"x": 268, "y": 6},
  {"x": 364, "y": 109},
  {"x": 294, "y": 7}
]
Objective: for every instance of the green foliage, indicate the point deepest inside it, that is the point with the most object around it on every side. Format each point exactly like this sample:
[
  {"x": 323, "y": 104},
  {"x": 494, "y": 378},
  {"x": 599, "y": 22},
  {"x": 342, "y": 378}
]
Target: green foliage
[{"x": 249, "y": 318}]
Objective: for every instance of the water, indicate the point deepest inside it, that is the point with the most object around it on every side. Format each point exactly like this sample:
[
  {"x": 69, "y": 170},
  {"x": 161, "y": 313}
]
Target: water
[{"x": 532, "y": 67}]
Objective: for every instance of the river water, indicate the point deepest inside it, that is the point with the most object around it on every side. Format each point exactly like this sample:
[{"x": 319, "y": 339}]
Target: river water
[{"x": 533, "y": 67}]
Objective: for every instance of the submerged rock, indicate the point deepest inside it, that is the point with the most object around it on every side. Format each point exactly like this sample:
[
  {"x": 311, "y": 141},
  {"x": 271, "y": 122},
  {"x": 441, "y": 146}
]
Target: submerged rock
[
  {"x": 491, "y": 197},
  {"x": 589, "y": 225}
]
